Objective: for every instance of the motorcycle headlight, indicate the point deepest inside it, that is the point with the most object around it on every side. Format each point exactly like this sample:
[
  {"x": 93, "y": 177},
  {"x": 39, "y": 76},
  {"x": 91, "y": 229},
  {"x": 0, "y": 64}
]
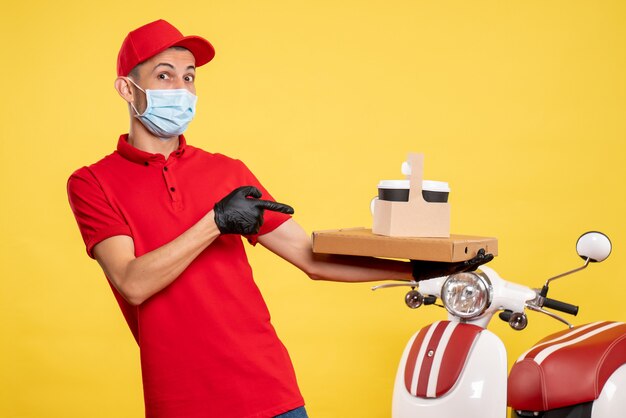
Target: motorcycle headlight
[{"x": 466, "y": 295}]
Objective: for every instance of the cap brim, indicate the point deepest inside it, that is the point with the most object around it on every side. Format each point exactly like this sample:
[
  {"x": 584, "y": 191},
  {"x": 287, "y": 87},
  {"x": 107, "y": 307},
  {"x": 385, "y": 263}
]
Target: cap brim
[{"x": 201, "y": 49}]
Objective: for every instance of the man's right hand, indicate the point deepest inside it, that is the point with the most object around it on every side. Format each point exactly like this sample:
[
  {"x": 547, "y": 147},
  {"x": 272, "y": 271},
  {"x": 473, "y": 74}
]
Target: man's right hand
[
  {"x": 423, "y": 270},
  {"x": 241, "y": 211}
]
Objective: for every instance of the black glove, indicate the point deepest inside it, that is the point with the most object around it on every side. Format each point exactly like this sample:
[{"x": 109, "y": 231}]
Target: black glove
[
  {"x": 241, "y": 212},
  {"x": 423, "y": 270}
]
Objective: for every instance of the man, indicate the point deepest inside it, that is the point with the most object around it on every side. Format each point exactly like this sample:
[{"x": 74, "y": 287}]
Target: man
[{"x": 164, "y": 220}]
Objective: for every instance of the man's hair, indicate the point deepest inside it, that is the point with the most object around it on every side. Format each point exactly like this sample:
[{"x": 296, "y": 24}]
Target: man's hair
[{"x": 134, "y": 73}]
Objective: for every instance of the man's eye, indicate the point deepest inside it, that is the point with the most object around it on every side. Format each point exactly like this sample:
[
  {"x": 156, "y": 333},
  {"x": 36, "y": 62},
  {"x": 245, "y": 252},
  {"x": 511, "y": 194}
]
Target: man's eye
[
  {"x": 189, "y": 78},
  {"x": 163, "y": 76}
]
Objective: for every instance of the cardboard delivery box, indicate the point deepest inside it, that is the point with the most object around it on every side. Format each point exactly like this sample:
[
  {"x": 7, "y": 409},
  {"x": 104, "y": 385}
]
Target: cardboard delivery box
[{"x": 362, "y": 242}]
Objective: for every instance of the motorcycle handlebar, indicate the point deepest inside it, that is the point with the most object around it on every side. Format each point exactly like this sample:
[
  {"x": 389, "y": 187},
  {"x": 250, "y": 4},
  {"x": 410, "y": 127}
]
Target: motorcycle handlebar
[{"x": 560, "y": 306}]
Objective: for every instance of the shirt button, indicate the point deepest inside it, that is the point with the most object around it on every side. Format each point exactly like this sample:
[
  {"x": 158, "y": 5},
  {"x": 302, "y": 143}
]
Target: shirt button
[
  {"x": 164, "y": 168},
  {"x": 173, "y": 189}
]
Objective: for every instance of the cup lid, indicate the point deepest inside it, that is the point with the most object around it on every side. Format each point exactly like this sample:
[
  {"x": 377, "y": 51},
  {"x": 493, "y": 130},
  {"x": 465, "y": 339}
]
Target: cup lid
[
  {"x": 435, "y": 186},
  {"x": 394, "y": 184}
]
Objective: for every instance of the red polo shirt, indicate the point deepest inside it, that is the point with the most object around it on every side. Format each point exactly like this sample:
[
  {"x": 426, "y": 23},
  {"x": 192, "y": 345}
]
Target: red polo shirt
[{"x": 207, "y": 346}]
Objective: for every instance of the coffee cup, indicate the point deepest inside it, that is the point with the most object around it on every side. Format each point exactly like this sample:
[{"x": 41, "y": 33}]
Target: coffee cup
[{"x": 398, "y": 191}]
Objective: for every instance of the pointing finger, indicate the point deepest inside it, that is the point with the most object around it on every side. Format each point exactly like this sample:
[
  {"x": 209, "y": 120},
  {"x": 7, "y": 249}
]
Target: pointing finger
[{"x": 275, "y": 206}]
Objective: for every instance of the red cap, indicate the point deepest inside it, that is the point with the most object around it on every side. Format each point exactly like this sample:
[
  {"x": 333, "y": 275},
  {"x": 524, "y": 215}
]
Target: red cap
[{"x": 147, "y": 41}]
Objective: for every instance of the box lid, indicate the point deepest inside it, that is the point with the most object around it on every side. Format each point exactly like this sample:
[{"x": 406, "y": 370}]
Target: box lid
[{"x": 362, "y": 242}]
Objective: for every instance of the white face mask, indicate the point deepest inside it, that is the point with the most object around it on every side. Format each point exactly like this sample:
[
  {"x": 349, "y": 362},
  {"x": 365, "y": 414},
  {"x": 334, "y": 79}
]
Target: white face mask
[{"x": 168, "y": 112}]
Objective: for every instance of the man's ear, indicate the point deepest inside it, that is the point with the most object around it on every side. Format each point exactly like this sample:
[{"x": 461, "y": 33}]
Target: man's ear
[{"x": 122, "y": 85}]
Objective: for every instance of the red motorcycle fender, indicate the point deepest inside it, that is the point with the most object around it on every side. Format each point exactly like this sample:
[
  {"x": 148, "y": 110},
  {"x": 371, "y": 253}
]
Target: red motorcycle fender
[{"x": 437, "y": 358}]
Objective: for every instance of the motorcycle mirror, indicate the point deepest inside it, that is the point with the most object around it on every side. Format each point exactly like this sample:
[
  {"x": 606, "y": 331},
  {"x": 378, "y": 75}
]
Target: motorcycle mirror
[{"x": 594, "y": 246}]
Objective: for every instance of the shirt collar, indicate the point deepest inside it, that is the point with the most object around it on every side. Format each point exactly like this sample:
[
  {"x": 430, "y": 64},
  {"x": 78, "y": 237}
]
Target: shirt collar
[{"x": 138, "y": 156}]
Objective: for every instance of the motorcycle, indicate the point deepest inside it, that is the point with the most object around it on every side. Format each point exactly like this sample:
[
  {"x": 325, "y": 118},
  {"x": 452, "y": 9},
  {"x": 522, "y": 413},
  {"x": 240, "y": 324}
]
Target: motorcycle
[{"x": 458, "y": 368}]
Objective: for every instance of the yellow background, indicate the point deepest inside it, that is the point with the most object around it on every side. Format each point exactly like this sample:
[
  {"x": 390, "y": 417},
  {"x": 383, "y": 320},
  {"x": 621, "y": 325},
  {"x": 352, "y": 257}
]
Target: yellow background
[{"x": 519, "y": 105}]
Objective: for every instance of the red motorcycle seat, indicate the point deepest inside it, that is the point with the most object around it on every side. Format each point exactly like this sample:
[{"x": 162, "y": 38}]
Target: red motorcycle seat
[{"x": 568, "y": 367}]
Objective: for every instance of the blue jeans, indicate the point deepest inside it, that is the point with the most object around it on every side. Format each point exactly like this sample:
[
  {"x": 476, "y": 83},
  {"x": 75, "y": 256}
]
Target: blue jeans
[{"x": 294, "y": 413}]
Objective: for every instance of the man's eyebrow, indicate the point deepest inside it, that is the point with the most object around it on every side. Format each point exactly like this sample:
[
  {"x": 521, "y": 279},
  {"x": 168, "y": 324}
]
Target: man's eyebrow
[
  {"x": 163, "y": 63},
  {"x": 166, "y": 64}
]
